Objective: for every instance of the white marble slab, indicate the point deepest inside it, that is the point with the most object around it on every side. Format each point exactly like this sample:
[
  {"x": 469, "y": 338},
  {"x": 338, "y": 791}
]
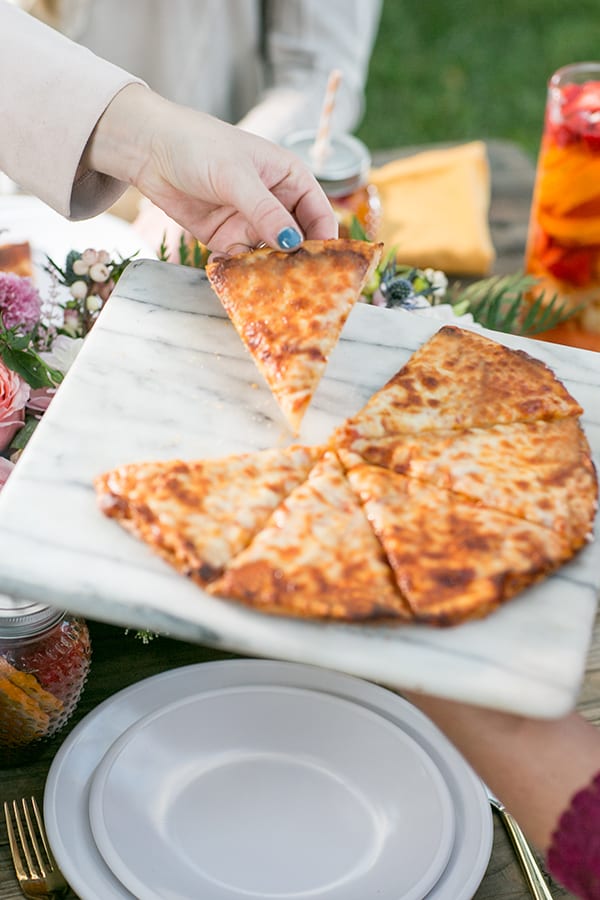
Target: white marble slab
[{"x": 163, "y": 374}]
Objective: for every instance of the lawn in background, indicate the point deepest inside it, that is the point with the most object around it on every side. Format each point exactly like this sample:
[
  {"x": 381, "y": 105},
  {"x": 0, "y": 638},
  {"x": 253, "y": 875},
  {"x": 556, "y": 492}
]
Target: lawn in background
[{"x": 454, "y": 70}]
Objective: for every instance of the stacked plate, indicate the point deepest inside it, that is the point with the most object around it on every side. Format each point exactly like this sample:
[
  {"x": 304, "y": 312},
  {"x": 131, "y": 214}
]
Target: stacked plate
[{"x": 262, "y": 779}]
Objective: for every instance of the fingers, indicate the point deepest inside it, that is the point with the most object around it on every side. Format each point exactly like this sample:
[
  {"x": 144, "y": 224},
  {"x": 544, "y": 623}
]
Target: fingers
[{"x": 282, "y": 211}]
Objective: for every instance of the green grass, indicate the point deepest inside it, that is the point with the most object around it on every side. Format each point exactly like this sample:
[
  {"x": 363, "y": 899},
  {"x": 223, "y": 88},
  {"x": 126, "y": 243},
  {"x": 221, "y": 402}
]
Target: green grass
[{"x": 465, "y": 69}]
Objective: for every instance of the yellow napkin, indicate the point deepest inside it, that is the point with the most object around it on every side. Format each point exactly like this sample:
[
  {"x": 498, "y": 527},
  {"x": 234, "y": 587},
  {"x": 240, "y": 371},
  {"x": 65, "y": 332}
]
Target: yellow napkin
[{"x": 435, "y": 209}]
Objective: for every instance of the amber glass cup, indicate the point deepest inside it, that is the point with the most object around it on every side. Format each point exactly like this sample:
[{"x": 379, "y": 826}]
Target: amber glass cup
[{"x": 563, "y": 246}]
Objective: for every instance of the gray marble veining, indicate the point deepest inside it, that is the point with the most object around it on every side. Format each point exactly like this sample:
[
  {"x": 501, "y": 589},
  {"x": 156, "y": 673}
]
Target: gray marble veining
[{"x": 164, "y": 375}]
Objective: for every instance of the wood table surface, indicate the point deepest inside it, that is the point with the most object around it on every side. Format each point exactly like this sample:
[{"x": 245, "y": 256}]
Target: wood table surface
[{"x": 120, "y": 660}]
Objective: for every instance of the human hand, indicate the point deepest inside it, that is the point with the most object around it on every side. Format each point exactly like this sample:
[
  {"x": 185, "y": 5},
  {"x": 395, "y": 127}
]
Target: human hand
[{"x": 230, "y": 189}]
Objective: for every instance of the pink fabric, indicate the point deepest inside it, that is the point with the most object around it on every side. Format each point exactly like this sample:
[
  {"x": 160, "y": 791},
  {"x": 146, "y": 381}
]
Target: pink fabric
[{"x": 574, "y": 855}]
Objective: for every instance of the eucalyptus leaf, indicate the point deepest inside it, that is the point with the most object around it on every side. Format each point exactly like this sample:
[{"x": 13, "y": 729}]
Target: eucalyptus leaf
[{"x": 23, "y": 434}]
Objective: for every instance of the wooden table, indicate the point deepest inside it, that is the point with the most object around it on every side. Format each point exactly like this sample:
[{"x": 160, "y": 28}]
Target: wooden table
[{"x": 120, "y": 660}]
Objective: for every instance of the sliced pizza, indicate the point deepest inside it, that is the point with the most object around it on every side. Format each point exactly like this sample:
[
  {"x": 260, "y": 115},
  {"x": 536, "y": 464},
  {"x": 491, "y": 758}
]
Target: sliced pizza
[
  {"x": 453, "y": 559},
  {"x": 540, "y": 471},
  {"x": 16, "y": 258},
  {"x": 317, "y": 557},
  {"x": 199, "y": 515},
  {"x": 290, "y": 307},
  {"x": 460, "y": 379}
]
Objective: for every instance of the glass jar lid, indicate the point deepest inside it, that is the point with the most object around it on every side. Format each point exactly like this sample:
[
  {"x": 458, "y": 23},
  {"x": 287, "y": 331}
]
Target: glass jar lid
[
  {"x": 344, "y": 168},
  {"x": 23, "y": 618}
]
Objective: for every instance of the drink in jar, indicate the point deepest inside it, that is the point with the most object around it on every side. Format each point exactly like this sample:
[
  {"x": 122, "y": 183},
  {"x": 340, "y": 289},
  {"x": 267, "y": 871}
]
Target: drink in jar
[
  {"x": 44, "y": 663},
  {"x": 343, "y": 173},
  {"x": 563, "y": 245}
]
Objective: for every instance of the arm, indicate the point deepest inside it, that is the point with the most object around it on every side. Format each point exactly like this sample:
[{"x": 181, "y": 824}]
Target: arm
[
  {"x": 228, "y": 188},
  {"x": 304, "y": 41},
  {"x": 78, "y": 130},
  {"x": 535, "y": 766}
]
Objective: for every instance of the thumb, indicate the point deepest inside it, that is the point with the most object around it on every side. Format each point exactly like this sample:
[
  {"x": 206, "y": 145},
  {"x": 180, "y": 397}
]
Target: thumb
[{"x": 267, "y": 217}]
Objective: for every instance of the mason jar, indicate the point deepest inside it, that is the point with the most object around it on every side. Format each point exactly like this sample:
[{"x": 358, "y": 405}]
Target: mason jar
[
  {"x": 44, "y": 663},
  {"x": 343, "y": 173}
]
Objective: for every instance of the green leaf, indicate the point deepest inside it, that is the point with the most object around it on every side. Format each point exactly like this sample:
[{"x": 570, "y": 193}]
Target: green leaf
[
  {"x": 30, "y": 367},
  {"x": 184, "y": 250},
  {"x": 163, "y": 250},
  {"x": 117, "y": 268},
  {"x": 357, "y": 232},
  {"x": 53, "y": 268},
  {"x": 23, "y": 434}
]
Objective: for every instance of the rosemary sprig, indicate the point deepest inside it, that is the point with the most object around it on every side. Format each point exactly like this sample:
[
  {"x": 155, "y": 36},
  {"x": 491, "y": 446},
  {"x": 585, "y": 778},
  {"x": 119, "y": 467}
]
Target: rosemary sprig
[{"x": 503, "y": 303}]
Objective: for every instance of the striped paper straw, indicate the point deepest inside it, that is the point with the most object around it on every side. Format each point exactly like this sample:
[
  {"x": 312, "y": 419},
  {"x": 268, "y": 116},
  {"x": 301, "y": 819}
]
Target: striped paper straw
[{"x": 320, "y": 148}]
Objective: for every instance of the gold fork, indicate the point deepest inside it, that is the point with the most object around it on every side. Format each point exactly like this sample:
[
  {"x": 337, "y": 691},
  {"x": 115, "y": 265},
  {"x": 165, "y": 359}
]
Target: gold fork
[{"x": 38, "y": 875}]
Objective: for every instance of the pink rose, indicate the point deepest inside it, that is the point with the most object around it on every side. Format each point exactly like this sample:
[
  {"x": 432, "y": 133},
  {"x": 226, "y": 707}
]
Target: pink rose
[
  {"x": 14, "y": 394},
  {"x": 6, "y": 468},
  {"x": 39, "y": 399}
]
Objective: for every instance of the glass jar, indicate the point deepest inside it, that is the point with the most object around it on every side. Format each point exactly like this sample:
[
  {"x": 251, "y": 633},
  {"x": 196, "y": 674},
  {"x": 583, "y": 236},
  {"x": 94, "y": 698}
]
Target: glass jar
[
  {"x": 563, "y": 245},
  {"x": 344, "y": 176},
  {"x": 44, "y": 663}
]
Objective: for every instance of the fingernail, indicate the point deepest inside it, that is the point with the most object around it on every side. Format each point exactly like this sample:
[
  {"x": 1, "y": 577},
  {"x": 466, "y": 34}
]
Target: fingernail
[{"x": 289, "y": 238}]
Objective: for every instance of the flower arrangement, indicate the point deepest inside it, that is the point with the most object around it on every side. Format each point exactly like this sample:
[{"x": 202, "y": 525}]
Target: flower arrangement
[{"x": 40, "y": 337}]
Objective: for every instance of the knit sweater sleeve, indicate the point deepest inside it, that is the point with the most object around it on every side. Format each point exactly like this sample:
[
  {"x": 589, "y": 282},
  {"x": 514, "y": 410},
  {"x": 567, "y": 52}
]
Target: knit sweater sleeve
[{"x": 574, "y": 854}]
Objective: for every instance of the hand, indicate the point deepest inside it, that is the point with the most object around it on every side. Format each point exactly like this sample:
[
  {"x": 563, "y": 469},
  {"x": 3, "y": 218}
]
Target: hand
[{"x": 230, "y": 189}]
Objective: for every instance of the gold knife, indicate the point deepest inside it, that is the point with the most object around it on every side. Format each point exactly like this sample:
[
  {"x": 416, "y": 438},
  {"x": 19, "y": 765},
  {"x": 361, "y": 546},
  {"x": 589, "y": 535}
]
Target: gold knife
[{"x": 533, "y": 874}]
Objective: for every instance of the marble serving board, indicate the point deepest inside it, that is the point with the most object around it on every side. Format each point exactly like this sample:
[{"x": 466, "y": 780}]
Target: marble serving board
[{"x": 164, "y": 375}]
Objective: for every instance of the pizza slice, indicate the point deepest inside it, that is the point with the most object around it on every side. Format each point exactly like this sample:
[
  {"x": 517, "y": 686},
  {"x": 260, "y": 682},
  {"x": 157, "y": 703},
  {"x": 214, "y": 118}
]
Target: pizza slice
[
  {"x": 16, "y": 258},
  {"x": 199, "y": 515},
  {"x": 289, "y": 310},
  {"x": 316, "y": 558},
  {"x": 453, "y": 559},
  {"x": 460, "y": 379},
  {"x": 540, "y": 471}
]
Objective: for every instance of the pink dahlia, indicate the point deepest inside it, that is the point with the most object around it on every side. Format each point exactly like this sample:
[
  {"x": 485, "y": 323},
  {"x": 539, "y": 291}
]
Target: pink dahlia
[{"x": 20, "y": 303}]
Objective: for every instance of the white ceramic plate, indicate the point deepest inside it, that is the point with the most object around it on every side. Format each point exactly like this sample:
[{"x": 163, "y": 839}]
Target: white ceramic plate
[
  {"x": 68, "y": 784},
  {"x": 270, "y": 792}
]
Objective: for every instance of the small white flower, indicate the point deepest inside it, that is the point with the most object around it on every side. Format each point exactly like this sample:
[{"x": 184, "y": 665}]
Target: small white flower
[
  {"x": 63, "y": 352},
  {"x": 99, "y": 273},
  {"x": 80, "y": 267},
  {"x": 79, "y": 290},
  {"x": 438, "y": 281},
  {"x": 93, "y": 303},
  {"x": 71, "y": 322},
  {"x": 103, "y": 256},
  {"x": 89, "y": 257}
]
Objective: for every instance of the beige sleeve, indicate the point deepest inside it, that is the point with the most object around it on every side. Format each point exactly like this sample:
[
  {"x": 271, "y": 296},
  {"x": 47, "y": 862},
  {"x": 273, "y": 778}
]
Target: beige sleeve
[{"x": 52, "y": 93}]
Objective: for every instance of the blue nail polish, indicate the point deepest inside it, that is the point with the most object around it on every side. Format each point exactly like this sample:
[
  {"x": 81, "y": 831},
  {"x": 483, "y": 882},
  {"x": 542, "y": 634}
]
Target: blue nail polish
[{"x": 288, "y": 239}]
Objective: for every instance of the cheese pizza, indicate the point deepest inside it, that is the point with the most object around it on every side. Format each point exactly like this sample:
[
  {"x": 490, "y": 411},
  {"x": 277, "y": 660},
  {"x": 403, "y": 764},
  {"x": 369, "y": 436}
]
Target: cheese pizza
[
  {"x": 540, "y": 471},
  {"x": 462, "y": 481},
  {"x": 199, "y": 515},
  {"x": 460, "y": 379},
  {"x": 290, "y": 307},
  {"x": 316, "y": 557},
  {"x": 452, "y": 558},
  {"x": 16, "y": 258}
]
